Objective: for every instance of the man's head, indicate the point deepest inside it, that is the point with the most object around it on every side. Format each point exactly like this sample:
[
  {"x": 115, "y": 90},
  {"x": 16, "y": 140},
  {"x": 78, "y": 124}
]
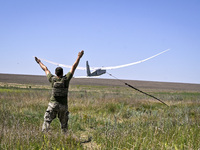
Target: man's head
[{"x": 59, "y": 71}]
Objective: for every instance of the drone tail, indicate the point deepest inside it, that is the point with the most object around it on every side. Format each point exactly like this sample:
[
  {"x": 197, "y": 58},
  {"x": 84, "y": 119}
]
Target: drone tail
[{"x": 88, "y": 69}]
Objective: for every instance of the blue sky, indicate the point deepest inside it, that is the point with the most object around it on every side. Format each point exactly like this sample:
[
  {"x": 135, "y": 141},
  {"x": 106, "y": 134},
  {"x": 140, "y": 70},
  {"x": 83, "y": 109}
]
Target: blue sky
[{"x": 112, "y": 32}]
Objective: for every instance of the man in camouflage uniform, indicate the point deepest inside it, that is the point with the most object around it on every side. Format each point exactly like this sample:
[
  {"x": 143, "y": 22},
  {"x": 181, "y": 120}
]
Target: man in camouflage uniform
[{"x": 58, "y": 104}]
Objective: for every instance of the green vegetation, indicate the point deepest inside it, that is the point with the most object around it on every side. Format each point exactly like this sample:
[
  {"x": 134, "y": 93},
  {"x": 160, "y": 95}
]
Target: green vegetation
[{"x": 115, "y": 118}]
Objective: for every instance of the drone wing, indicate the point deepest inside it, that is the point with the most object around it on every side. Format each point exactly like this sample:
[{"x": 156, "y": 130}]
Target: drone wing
[
  {"x": 134, "y": 63},
  {"x": 105, "y": 68},
  {"x": 62, "y": 65}
]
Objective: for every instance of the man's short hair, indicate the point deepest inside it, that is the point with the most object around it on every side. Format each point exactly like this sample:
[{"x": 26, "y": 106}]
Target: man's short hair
[{"x": 59, "y": 71}]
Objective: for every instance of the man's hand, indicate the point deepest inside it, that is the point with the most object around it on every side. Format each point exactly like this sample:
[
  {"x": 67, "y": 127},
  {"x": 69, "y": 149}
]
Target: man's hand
[
  {"x": 37, "y": 60},
  {"x": 42, "y": 66},
  {"x": 80, "y": 54}
]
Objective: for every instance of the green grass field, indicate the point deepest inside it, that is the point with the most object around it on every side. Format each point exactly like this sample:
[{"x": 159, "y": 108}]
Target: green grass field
[{"x": 115, "y": 118}]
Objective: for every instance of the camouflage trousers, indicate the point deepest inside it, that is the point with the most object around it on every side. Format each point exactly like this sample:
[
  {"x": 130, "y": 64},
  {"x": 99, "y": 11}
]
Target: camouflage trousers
[{"x": 53, "y": 110}]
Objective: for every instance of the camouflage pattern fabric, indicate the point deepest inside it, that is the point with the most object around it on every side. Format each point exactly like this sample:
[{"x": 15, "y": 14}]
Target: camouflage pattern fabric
[
  {"x": 59, "y": 87},
  {"x": 54, "y": 109}
]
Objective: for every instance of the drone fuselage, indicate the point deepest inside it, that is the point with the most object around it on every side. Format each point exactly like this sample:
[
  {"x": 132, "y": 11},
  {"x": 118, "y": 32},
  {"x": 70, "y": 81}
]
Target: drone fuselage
[{"x": 98, "y": 72}]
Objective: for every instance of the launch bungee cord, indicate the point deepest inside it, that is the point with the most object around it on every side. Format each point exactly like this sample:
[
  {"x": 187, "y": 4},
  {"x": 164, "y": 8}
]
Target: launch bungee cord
[{"x": 137, "y": 89}]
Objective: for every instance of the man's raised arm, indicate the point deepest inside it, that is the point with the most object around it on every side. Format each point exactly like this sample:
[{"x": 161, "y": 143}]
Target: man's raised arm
[
  {"x": 42, "y": 66},
  {"x": 80, "y": 54}
]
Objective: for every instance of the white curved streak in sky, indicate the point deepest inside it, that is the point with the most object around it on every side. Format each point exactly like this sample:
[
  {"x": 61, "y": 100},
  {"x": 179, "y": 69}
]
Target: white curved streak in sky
[
  {"x": 134, "y": 63},
  {"x": 62, "y": 65}
]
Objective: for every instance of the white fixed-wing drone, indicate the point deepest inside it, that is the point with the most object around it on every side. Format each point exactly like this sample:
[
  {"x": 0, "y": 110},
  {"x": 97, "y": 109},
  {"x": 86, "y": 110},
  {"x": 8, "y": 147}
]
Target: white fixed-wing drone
[{"x": 97, "y": 71}]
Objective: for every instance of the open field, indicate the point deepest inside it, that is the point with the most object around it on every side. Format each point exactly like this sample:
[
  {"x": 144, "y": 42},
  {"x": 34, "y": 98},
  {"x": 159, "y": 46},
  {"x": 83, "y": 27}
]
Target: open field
[
  {"x": 115, "y": 116},
  {"x": 42, "y": 80}
]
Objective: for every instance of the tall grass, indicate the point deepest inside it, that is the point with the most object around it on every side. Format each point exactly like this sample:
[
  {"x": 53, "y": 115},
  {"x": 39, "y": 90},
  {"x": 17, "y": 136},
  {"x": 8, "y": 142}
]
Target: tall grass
[{"x": 115, "y": 118}]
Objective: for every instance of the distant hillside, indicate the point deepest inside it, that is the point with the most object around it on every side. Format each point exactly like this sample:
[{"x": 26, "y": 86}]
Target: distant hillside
[{"x": 42, "y": 80}]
